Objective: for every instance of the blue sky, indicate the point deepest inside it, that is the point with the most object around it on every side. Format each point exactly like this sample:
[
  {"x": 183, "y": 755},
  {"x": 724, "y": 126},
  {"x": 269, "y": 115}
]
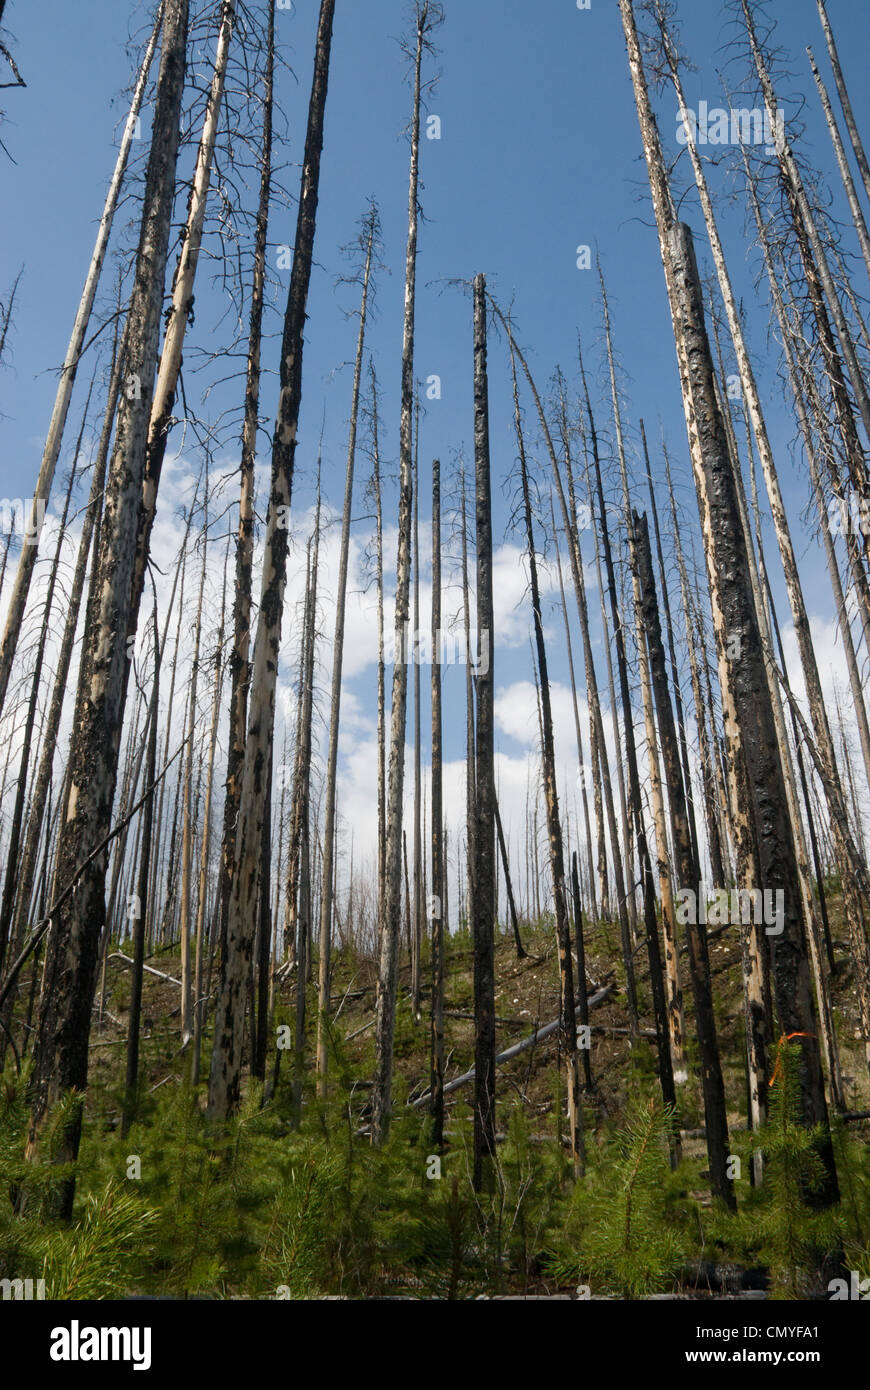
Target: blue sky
[{"x": 540, "y": 153}]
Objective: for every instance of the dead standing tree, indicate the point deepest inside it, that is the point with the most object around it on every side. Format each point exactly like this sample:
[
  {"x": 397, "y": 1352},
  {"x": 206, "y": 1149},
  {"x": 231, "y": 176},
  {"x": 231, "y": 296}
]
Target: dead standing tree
[
  {"x": 845, "y": 101},
  {"x": 54, "y": 438},
  {"x": 427, "y": 17},
  {"x": 437, "y": 911},
  {"x": 241, "y": 646},
  {"x": 61, "y": 1056},
  {"x": 554, "y": 827},
  {"x": 226, "y": 1065},
  {"x": 484, "y": 821},
  {"x": 571, "y": 535},
  {"x": 367, "y": 239},
  {"x": 848, "y": 859},
  {"x": 755, "y": 767},
  {"x": 665, "y": 1016}
]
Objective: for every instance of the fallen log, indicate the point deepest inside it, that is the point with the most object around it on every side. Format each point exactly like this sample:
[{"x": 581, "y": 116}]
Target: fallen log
[
  {"x": 607, "y": 1028},
  {"x": 500, "y": 1022},
  {"x": 517, "y": 1048},
  {"x": 356, "y": 1032},
  {"x": 119, "y": 955}
]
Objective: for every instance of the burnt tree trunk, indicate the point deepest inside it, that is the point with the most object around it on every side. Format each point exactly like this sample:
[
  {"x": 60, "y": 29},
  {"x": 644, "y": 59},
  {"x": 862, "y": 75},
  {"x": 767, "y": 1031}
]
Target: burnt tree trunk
[
  {"x": 61, "y": 1055},
  {"x": 484, "y": 823}
]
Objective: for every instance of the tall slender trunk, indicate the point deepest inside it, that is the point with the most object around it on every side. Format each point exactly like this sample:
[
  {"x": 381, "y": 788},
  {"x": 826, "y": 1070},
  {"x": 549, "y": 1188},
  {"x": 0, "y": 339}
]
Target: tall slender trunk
[
  {"x": 631, "y": 903},
  {"x": 427, "y": 14},
  {"x": 200, "y": 1004},
  {"x": 470, "y": 757},
  {"x": 674, "y": 1003},
  {"x": 690, "y": 333},
  {"x": 843, "y": 165},
  {"x": 61, "y": 1055},
  {"x": 591, "y": 679},
  {"x": 260, "y": 966},
  {"x": 238, "y": 662},
  {"x": 694, "y": 623},
  {"x": 131, "y": 1080},
  {"x": 89, "y": 535},
  {"x": 60, "y": 411},
  {"x": 848, "y": 859},
  {"x": 714, "y": 1094},
  {"x": 795, "y": 183},
  {"x": 298, "y": 914},
  {"x": 845, "y": 102},
  {"x": 577, "y": 730},
  {"x": 6, "y": 317},
  {"x": 797, "y": 376},
  {"x": 326, "y": 898},
  {"x": 417, "y": 935},
  {"x": 11, "y": 880},
  {"x": 438, "y": 905},
  {"x": 823, "y": 995},
  {"x": 188, "y": 814},
  {"x": 582, "y": 992},
  {"x": 664, "y": 1016},
  {"x": 169, "y": 881},
  {"x": 760, "y": 797},
  {"x": 505, "y": 863},
  {"x": 484, "y": 824},
  {"x": 226, "y": 1067},
  {"x": 379, "y": 580},
  {"x": 162, "y": 418},
  {"x": 601, "y": 540},
  {"x": 672, "y": 656},
  {"x": 554, "y": 827}
]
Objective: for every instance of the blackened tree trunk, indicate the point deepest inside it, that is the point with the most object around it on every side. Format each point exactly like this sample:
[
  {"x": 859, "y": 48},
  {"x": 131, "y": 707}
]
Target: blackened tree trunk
[
  {"x": 631, "y": 903},
  {"x": 582, "y": 991},
  {"x": 226, "y": 1069},
  {"x": 41, "y": 793},
  {"x": 298, "y": 915},
  {"x": 131, "y": 1080},
  {"x": 74, "y": 352},
  {"x": 577, "y": 730},
  {"x": 505, "y": 863},
  {"x": 664, "y": 1016},
  {"x": 484, "y": 825},
  {"x": 791, "y": 175},
  {"x": 11, "y": 879},
  {"x": 417, "y": 932},
  {"x": 470, "y": 760},
  {"x": 687, "y": 868},
  {"x": 238, "y": 662},
  {"x": 437, "y": 911},
  {"x": 672, "y": 654},
  {"x": 554, "y": 827},
  {"x": 843, "y": 164},
  {"x": 847, "y": 858},
  {"x": 370, "y": 230},
  {"x": 375, "y": 489},
  {"x": 199, "y": 1002},
  {"x": 754, "y": 754},
  {"x": 845, "y": 101},
  {"x": 188, "y": 808},
  {"x": 427, "y": 15},
  {"x": 61, "y": 1057},
  {"x": 591, "y": 678},
  {"x": 708, "y": 757}
]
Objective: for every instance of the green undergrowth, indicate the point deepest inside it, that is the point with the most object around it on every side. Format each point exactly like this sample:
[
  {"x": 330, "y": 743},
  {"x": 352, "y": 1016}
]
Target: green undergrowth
[
  {"x": 277, "y": 1204},
  {"x": 260, "y": 1209}
]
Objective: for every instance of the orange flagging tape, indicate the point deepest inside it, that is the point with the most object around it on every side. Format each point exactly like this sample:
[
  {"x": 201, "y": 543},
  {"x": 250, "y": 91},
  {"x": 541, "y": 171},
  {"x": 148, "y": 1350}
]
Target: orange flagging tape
[{"x": 786, "y": 1037}]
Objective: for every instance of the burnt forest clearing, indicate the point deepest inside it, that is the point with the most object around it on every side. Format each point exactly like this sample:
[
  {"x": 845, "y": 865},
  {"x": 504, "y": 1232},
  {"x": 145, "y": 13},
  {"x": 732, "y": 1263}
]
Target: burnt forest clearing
[{"x": 434, "y": 634}]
